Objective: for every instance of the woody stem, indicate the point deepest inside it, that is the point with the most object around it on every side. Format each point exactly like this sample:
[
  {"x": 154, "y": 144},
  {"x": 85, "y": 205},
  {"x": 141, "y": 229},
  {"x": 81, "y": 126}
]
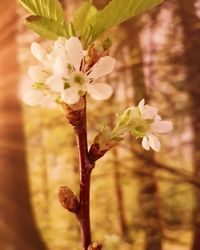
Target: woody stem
[{"x": 86, "y": 167}]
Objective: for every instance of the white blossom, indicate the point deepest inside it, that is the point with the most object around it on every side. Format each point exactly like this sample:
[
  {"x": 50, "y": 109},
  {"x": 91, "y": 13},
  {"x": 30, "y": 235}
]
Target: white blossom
[
  {"x": 143, "y": 122},
  {"x": 35, "y": 97},
  {"x": 155, "y": 126},
  {"x": 60, "y": 71}
]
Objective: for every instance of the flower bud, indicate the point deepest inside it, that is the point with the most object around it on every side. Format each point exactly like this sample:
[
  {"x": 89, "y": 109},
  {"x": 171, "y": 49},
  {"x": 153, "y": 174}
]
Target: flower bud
[
  {"x": 100, "y": 146},
  {"x": 68, "y": 199}
]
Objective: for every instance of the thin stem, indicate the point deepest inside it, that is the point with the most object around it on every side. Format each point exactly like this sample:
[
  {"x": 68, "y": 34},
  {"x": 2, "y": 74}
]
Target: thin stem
[{"x": 85, "y": 175}]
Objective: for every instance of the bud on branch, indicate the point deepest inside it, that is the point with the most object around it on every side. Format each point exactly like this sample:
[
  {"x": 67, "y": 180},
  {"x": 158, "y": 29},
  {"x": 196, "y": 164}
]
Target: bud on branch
[
  {"x": 68, "y": 199},
  {"x": 100, "y": 147}
]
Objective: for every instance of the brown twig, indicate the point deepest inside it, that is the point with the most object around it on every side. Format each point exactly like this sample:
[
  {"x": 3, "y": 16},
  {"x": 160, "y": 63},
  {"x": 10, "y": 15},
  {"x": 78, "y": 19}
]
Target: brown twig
[{"x": 78, "y": 118}]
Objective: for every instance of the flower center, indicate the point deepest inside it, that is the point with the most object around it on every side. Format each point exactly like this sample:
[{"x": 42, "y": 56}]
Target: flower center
[
  {"x": 78, "y": 78},
  {"x": 141, "y": 128}
]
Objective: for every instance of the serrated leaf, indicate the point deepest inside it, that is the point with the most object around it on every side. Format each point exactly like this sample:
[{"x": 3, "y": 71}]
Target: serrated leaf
[
  {"x": 51, "y": 9},
  {"x": 46, "y": 27},
  {"x": 83, "y": 16},
  {"x": 86, "y": 36},
  {"x": 80, "y": 16},
  {"x": 118, "y": 11}
]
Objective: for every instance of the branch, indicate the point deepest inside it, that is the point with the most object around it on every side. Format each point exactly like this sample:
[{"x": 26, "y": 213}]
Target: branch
[{"x": 187, "y": 177}]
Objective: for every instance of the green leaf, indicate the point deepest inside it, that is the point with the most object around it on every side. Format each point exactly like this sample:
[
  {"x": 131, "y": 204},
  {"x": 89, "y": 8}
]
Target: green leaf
[
  {"x": 80, "y": 17},
  {"x": 51, "y": 9},
  {"x": 83, "y": 16},
  {"x": 46, "y": 27},
  {"x": 118, "y": 11},
  {"x": 71, "y": 29},
  {"x": 86, "y": 36}
]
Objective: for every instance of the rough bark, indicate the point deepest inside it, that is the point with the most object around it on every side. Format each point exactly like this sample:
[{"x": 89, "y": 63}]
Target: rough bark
[
  {"x": 17, "y": 226},
  {"x": 190, "y": 23}
]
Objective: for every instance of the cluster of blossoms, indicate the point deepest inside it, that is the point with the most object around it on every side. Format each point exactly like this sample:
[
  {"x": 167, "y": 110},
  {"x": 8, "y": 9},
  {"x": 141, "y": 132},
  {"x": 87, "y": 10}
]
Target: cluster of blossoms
[
  {"x": 62, "y": 75},
  {"x": 143, "y": 122}
]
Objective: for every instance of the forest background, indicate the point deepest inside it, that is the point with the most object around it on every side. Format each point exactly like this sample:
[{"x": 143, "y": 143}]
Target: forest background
[{"x": 140, "y": 200}]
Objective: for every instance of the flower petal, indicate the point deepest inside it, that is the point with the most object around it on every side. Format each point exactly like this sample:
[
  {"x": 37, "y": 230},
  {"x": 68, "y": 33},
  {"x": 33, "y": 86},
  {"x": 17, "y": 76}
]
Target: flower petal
[
  {"x": 99, "y": 91},
  {"x": 37, "y": 73},
  {"x": 48, "y": 101},
  {"x": 104, "y": 66},
  {"x": 38, "y": 52},
  {"x": 70, "y": 96},
  {"x": 157, "y": 118},
  {"x": 149, "y": 112},
  {"x": 60, "y": 66},
  {"x": 145, "y": 143},
  {"x": 161, "y": 126},
  {"x": 141, "y": 105},
  {"x": 56, "y": 83},
  {"x": 74, "y": 50},
  {"x": 59, "y": 46},
  {"x": 154, "y": 143},
  {"x": 34, "y": 97}
]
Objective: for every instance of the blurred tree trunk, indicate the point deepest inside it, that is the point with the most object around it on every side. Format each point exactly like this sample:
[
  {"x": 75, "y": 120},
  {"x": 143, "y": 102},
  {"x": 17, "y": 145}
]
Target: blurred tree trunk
[
  {"x": 17, "y": 225},
  {"x": 120, "y": 198},
  {"x": 149, "y": 192},
  {"x": 191, "y": 28},
  {"x": 117, "y": 178}
]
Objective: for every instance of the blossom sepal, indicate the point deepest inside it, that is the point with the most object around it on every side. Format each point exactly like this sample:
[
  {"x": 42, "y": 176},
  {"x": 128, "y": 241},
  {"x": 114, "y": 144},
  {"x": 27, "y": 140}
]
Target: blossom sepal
[{"x": 73, "y": 113}]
